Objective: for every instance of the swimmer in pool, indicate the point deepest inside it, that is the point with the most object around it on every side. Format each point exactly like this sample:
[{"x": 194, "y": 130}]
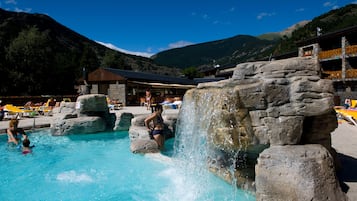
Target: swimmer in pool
[{"x": 26, "y": 148}]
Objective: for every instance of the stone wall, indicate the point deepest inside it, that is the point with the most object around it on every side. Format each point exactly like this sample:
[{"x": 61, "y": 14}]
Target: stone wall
[
  {"x": 117, "y": 92},
  {"x": 94, "y": 89}
]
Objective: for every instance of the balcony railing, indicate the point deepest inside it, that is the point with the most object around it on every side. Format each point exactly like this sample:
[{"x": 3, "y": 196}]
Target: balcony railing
[
  {"x": 352, "y": 49},
  {"x": 332, "y": 74},
  {"x": 330, "y": 53},
  {"x": 336, "y": 53},
  {"x": 351, "y": 73}
]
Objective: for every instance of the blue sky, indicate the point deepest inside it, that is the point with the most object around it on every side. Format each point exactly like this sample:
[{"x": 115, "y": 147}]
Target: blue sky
[{"x": 145, "y": 27}]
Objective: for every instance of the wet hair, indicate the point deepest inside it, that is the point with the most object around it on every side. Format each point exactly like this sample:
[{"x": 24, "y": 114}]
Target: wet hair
[
  {"x": 13, "y": 122},
  {"x": 158, "y": 107},
  {"x": 26, "y": 143}
]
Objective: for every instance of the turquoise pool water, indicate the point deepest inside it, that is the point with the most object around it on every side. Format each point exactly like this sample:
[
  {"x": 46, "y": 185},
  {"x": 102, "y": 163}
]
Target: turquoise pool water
[{"x": 101, "y": 167}]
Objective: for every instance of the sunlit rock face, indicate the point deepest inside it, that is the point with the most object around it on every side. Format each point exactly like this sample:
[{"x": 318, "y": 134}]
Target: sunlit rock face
[
  {"x": 264, "y": 104},
  {"x": 89, "y": 114}
]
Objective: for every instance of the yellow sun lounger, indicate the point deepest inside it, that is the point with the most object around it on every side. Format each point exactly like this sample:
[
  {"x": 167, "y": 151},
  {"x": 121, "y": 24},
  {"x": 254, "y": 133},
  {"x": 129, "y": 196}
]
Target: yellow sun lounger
[
  {"x": 14, "y": 110},
  {"x": 348, "y": 114}
]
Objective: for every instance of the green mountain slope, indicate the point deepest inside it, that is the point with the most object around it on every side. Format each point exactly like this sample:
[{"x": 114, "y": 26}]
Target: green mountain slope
[
  {"x": 40, "y": 56},
  {"x": 331, "y": 21},
  {"x": 242, "y": 48},
  {"x": 223, "y": 52}
]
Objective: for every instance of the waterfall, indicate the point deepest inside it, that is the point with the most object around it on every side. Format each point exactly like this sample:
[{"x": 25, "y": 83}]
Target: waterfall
[
  {"x": 192, "y": 145},
  {"x": 213, "y": 133}
]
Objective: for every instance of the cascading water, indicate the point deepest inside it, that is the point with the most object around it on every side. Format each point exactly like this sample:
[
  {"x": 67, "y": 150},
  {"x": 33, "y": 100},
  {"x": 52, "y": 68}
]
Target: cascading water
[{"x": 193, "y": 147}]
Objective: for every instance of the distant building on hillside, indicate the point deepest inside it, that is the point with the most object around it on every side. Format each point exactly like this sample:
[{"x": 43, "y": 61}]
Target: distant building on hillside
[
  {"x": 337, "y": 56},
  {"x": 128, "y": 87}
]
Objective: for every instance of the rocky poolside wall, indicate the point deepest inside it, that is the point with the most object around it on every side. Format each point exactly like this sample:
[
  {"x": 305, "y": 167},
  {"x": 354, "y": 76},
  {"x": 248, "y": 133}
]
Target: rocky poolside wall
[{"x": 268, "y": 127}]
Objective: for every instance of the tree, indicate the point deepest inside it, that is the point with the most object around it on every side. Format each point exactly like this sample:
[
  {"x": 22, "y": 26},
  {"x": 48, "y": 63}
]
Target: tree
[
  {"x": 191, "y": 72},
  {"x": 29, "y": 58},
  {"x": 112, "y": 59},
  {"x": 89, "y": 59}
]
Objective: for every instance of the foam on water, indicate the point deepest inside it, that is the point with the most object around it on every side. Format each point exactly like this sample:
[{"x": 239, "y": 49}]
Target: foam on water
[{"x": 73, "y": 177}]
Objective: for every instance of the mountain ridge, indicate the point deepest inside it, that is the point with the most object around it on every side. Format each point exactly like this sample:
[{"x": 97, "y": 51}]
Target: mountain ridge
[
  {"x": 281, "y": 43},
  {"x": 57, "y": 51},
  {"x": 34, "y": 49}
]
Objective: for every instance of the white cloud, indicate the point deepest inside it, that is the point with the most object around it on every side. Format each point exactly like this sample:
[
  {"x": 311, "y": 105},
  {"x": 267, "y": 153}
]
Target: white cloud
[
  {"x": 328, "y": 4},
  {"x": 149, "y": 53},
  {"x": 113, "y": 47},
  {"x": 11, "y": 2},
  {"x": 333, "y": 5},
  {"x": 205, "y": 16},
  {"x": 178, "y": 44},
  {"x": 354, "y": 2},
  {"x": 27, "y": 10},
  {"x": 264, "y": 14},
  {"x": 300, "y": 10}
]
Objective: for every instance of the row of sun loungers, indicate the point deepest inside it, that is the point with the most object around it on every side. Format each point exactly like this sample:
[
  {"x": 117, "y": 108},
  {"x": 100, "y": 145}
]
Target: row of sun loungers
[{"x": 12, "y": 111}]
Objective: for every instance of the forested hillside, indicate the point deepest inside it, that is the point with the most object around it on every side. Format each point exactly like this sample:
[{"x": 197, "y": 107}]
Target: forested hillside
[
  {"x": 238, "y": 49},
  {"x": 329, "y": 22},
  {"x": 226, "y": 52},
  {"x": 40, "y": 56}
]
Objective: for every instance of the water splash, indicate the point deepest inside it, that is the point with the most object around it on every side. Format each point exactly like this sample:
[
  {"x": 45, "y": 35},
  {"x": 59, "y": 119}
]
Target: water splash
[
  {"x": 74, "y": 177},
  {"x": 194, "y": 148}
]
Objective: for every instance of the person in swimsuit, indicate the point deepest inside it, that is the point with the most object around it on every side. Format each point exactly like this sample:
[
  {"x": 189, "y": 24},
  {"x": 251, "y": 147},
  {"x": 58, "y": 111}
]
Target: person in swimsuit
[
  {"x": 26, "y": 149},
  {"x": 148, "y": 99},
  {"x": 12, "y": 132},
  {"x": 158, "y": 126}
]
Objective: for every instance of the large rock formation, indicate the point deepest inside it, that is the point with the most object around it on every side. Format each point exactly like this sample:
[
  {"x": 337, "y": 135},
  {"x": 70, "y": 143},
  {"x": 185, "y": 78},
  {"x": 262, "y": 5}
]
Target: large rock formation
[
  {"x": 89, "y": 114},
  {"x": 140, "y": 141},
  {"x": 300, "y": 172},
  {"x": 264, "y": 104}
]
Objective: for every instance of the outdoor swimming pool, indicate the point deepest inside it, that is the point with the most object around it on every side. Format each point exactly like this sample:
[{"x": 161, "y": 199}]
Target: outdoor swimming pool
[{"x": 101, "y": 167}]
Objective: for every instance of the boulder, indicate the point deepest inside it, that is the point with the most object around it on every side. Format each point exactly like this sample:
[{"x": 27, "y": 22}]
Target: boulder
[
  {"x": 140, "y": 141},
  {"x": 297, "y": 172},
  {"x": 123, "y": 121},
  {"x": 89, "y": 114},
  {"x": 80, "y": 125},
  {"x": 144, "y": 146}
]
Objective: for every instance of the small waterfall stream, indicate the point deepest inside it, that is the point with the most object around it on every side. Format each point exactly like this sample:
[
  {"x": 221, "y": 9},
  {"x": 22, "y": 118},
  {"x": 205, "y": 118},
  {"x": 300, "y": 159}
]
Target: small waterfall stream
[{"x": 192, "y": 145}]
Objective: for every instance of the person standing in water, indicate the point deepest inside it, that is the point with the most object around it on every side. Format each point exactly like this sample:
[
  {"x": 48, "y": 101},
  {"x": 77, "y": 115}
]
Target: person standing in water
[
  {"x": 158, "y": 126},
  {"x": 12, "y": 132}
]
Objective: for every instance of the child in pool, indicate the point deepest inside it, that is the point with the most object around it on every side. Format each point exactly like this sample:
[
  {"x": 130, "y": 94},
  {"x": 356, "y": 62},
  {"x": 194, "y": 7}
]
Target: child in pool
[{"x": 26, "y": 148}]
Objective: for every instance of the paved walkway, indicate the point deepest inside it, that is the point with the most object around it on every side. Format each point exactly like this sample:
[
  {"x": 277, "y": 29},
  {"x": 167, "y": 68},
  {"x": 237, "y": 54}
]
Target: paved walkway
[
  {"x": 45, "y": 121},
  {"x": 344, "y": 140}
]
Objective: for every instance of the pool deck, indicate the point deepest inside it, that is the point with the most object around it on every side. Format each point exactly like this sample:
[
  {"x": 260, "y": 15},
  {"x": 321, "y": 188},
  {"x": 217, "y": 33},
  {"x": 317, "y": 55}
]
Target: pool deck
[
  {"x": 344, "y": 140},
  {"x": 45, "y": 121}
]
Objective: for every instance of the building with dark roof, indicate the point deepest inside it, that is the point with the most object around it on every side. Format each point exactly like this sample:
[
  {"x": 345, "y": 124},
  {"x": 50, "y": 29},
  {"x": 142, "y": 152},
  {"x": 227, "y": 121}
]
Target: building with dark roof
[
  {"x": 337, "y": 56},
  {"x": 128, "y": 87}
]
